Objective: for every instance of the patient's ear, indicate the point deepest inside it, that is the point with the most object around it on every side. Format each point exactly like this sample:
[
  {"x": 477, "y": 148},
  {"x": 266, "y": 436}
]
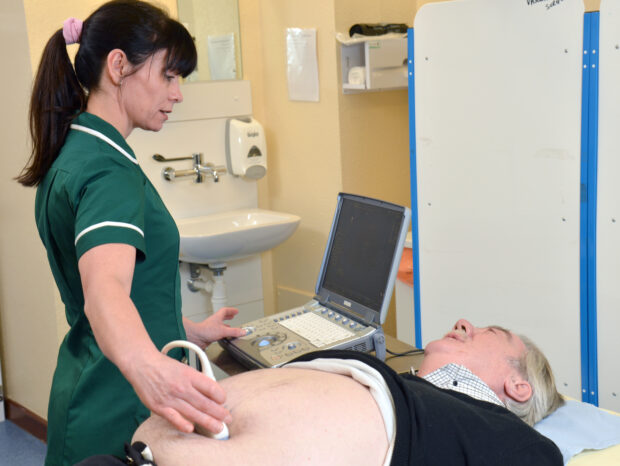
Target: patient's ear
[{"x": 517, "y": 388}]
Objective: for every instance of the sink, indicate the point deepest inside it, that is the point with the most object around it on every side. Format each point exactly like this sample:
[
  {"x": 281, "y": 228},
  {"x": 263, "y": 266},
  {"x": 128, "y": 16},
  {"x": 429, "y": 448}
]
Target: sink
[{"x": 218, "y": 238}]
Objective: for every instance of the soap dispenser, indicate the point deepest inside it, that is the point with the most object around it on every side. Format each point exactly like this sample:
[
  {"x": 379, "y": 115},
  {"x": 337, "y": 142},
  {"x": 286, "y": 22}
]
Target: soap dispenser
[{"x": 246, "y": 153}]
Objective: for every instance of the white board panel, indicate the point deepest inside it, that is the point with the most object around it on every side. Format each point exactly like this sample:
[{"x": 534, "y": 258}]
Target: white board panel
[
  {"x": 608, "y": 212},
  {"x": 498, "y": 105}
]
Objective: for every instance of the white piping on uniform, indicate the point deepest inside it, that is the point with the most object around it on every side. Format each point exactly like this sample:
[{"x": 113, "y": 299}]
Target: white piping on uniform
[
  {"x": 103, "y": 137},
  {"x": 107, "y": 224}
]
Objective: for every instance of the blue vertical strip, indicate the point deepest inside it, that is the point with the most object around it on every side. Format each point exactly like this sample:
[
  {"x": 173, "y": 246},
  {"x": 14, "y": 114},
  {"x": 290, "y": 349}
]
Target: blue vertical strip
[
  {"x": 589, "y": 153},
  {"x": 583, "y": 212},
  {"x": 415, "y": 244},
  {"x": 592, "y": 205}
]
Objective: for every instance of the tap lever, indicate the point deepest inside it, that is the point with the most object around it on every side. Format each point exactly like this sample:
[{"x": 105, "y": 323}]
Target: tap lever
[{"x": 161, "y": 158}]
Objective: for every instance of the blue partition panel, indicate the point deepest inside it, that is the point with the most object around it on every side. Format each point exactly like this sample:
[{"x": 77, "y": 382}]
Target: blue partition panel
[
  {"x": 589, "y": 146},
  {"x": 415, "y": 245}
]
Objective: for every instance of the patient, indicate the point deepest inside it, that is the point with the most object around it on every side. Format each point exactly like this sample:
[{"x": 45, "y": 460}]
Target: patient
[{"x": 451, "y": 412}]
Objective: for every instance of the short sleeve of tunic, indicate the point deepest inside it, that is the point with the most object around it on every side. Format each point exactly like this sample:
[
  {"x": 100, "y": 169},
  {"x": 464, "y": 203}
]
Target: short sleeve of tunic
[
  {"x": 105, "y": 194},
  {"x": 109, "y": 207}
]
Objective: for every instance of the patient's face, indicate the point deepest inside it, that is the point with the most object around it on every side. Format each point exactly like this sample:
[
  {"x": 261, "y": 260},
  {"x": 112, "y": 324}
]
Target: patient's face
[{"x": 486, "y": 351}]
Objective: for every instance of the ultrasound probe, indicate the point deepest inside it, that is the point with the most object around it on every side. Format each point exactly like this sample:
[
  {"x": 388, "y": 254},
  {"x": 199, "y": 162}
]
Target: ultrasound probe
[{"x": 206, "y": 369}]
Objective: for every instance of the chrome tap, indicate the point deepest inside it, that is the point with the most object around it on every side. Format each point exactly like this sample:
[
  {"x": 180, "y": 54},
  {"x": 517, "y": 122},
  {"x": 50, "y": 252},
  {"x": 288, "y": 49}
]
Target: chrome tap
[
  {"x": 211, "y": 170},
  {"x": 198, "y": 170}
]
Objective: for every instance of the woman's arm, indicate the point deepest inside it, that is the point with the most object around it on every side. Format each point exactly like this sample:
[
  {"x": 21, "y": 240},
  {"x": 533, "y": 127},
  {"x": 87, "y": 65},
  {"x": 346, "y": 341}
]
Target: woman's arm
[{"x": 167, "y": 387}]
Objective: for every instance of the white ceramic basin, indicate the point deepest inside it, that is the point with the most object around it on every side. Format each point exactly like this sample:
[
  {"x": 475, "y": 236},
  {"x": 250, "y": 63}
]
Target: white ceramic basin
[{"x": 225, "y": 236}]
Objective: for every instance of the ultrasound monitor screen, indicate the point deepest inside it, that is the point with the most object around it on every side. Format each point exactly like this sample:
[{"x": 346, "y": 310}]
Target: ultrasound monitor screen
[{"x": 362, "y": 252}]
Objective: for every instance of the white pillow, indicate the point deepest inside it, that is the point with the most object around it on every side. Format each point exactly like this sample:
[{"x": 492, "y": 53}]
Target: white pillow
[{"x": 578, "y": 426}]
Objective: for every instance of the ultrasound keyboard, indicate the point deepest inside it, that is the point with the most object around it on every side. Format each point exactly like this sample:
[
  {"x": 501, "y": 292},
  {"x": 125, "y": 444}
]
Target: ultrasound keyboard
[
  {"x": 317, "y": 330},
  {"x": 274, "y": 340}
]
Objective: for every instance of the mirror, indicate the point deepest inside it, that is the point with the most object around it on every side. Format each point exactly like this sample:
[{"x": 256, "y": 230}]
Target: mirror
[{"x": 214, "y": 24}]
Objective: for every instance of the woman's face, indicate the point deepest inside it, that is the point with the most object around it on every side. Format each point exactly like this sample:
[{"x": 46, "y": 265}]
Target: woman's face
[{"x": 148, "y": 95}]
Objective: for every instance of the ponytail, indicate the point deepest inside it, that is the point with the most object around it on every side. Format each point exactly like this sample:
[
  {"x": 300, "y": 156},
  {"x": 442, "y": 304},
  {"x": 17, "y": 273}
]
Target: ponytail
[
  {"x": 57, "y": 98},
  {"x": 138, "y": 28}
]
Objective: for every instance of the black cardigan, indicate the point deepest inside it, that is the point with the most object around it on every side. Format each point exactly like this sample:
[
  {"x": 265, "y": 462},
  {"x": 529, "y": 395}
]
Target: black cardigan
[{"x": 438, "y": 427}]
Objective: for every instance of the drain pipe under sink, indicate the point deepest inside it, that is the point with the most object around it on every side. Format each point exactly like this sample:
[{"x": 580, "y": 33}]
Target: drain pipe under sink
[{"x": 215, "y": 286}]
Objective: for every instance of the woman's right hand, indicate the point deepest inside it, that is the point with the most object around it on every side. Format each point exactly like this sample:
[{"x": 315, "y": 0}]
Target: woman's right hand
[
  {"x": 173, "y": 390},
  {"x": 179, "y": 393}
]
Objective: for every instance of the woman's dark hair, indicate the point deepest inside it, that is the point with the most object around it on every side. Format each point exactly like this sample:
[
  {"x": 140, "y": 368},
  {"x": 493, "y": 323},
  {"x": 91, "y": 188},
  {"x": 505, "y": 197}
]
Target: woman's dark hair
[{"x": 59, "y": 92}]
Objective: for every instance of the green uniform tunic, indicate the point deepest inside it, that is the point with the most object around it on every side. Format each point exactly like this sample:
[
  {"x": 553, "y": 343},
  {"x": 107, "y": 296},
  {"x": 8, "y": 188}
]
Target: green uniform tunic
[{"x": 95, "y": 193}]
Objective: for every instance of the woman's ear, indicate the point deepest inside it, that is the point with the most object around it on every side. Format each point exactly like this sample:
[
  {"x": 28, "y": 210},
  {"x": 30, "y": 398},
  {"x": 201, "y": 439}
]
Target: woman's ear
[
  {"x": 116, "y": 66},
  {"x": 517, "y": 388}
]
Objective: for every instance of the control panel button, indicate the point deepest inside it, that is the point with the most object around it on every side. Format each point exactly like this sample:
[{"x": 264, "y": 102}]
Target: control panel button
[
  {"x": 249, "y": 330},
  {"x": 264, "y": 342},
  {"x": 338, "y": 317},
  {"x": 293, "y": 345}
]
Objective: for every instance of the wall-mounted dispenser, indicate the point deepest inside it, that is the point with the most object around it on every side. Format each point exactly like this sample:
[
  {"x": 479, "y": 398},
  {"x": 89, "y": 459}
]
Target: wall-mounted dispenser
[{"x": 246, "y": 153}]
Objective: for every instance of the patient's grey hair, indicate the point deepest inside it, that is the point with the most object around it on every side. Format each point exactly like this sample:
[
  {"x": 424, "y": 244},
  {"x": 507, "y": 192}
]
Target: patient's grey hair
[{"x": 534, "y": 367}]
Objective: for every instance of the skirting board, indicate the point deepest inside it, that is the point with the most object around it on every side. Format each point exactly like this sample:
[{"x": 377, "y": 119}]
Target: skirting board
[{"x": 26, "y": 419}]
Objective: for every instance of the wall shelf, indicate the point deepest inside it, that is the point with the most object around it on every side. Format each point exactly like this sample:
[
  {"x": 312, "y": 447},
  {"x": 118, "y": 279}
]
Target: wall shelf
[{"x": 381, "y": 64}]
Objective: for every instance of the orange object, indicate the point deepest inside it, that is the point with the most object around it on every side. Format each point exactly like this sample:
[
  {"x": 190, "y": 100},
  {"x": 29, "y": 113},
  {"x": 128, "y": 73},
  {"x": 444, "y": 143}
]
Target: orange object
[{"x": 405, "y": 269}]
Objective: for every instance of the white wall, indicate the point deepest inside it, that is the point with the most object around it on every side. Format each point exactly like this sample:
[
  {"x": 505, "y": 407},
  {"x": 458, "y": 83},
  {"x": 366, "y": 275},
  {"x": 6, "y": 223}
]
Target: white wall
[{"x": 28, "y": 328}]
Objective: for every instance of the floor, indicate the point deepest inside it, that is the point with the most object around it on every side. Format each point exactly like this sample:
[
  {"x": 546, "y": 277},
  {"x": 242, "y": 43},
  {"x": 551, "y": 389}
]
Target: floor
[{"x": 18, "y": 447}]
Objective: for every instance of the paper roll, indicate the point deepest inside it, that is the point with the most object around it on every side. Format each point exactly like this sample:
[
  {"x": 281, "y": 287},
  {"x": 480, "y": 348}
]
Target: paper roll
[{"x": 357, "y": 75}]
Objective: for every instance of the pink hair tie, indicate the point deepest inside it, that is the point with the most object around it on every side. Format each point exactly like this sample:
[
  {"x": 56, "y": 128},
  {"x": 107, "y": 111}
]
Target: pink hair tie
[{"x": 72, "y": 30}]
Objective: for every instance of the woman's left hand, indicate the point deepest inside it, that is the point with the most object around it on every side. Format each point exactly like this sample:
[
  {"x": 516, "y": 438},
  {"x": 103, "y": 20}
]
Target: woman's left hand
[{"x": 212, "y": 328}]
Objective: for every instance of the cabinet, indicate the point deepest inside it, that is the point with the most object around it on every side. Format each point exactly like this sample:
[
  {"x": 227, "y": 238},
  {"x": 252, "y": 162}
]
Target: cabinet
[{"x": 373, "y": 65}]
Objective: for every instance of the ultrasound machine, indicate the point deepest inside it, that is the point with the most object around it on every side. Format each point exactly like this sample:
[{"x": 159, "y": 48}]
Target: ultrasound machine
[{"x": 353, "y": 290}]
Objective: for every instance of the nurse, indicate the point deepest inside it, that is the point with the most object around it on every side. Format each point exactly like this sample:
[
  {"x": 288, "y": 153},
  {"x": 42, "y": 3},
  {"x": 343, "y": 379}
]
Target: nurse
[{"x": 112, "y": 245}]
